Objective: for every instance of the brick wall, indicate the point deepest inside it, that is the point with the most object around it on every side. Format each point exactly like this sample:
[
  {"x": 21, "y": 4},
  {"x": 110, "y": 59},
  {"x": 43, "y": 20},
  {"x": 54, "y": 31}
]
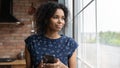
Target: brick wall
[{"x": 12, "y": 35}]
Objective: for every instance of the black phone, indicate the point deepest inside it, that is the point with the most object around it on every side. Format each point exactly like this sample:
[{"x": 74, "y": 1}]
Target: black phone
[{"x": 48, "y": 59}]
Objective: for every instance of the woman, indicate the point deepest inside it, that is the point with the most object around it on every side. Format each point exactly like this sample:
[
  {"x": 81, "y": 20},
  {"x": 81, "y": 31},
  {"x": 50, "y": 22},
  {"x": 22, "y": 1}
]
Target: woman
[{"x": 50, "y": 18}]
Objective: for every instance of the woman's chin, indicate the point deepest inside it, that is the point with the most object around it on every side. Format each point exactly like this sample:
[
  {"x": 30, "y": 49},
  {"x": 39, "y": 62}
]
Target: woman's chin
[{"x": 58, "y": 30}]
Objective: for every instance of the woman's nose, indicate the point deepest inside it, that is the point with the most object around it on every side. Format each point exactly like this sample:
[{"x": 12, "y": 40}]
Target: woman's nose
[{"x": 60, "y": 20}]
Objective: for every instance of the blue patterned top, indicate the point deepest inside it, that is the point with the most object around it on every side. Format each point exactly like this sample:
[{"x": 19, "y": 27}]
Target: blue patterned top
[{"x": 39, "y": 45}]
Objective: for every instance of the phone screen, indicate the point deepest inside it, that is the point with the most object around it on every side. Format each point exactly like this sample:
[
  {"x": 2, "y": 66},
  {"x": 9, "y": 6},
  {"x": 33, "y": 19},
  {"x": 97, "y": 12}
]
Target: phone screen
[{"x": 48, "y": 59}]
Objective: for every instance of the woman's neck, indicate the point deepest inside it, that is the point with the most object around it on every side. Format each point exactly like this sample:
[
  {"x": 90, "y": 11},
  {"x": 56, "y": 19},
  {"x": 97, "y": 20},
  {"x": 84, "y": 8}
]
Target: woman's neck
[{"x": 52, "y": 35}]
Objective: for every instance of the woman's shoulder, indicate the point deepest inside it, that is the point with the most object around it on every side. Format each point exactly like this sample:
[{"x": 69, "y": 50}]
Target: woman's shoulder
[
  {"x": 69, "y": 39},
  {"x": 33, "y": 36}
]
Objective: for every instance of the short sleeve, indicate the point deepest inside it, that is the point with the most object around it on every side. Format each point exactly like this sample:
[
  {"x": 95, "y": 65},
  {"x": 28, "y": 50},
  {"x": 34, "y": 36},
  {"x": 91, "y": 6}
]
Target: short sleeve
[
  {"x": 28, "y": 42},
  {"x": 73, "y": 46}
]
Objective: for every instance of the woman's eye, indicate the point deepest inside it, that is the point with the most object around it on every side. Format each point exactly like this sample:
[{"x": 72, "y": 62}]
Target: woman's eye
[
  {"x": 63, "y": 18},
  {"x": 55, "y": 17}
]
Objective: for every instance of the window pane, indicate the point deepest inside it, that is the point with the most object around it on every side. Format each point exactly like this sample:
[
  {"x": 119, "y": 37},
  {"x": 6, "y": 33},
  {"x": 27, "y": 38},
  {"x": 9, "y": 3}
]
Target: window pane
[
  {"x": 109, "y": 32},
  {"x": 87, "y": 30},
  {"x": 89, "y": 36}
]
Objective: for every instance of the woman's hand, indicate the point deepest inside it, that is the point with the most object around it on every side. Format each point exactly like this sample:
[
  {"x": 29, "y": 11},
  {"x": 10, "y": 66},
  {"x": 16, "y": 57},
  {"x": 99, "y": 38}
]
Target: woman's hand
[{"x": 57, "y": 64}]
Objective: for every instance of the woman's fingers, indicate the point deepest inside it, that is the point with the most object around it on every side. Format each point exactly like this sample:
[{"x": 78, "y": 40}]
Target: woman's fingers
[
  {"x": 41, "y": 65},
  {"x": 57, "y": 64},
  {"x": 52, "y": 65}
]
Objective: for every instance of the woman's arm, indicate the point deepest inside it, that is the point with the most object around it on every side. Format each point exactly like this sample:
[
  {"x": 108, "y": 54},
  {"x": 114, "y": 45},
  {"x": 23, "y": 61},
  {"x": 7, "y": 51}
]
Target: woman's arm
[
  {"x": 72, "y": 61},
  {"x": 27, "y": 58}
]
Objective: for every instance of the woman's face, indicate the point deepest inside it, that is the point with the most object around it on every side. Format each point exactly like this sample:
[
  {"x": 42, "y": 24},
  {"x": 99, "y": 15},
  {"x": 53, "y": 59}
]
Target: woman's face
[{"x": 57, "y": 21}]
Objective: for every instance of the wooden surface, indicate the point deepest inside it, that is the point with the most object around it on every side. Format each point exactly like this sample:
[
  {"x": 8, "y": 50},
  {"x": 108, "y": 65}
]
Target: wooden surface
[{"x": 16, "y": 62}]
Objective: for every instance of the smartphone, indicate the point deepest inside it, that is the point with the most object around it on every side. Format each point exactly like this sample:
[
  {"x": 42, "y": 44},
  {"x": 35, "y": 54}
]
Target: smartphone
[{"x": 48, "y": 59}]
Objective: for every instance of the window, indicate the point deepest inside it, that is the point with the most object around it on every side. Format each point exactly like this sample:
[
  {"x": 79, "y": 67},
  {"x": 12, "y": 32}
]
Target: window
[
  {"x": 96, "y": 29},
  {"x": 109, "y": 32},
  {"x": 86, "y": 33}
]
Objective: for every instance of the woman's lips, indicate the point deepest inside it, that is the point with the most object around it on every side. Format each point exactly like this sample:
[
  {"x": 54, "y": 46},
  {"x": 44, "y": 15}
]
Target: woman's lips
[{"x": 59, "y": 26}]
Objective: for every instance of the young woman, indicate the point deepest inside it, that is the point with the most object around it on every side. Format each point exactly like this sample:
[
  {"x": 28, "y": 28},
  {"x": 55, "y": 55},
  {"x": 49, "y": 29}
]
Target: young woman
[{"x": 50, "y": 18}]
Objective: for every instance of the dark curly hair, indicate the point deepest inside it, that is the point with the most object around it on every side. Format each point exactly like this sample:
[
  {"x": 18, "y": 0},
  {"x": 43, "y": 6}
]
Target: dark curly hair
[{"x": 45, "y": 12}]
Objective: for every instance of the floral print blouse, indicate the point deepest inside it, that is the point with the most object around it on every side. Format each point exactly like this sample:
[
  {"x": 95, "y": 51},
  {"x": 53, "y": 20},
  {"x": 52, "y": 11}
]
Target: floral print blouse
[{"x": 39, "y": 45}]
